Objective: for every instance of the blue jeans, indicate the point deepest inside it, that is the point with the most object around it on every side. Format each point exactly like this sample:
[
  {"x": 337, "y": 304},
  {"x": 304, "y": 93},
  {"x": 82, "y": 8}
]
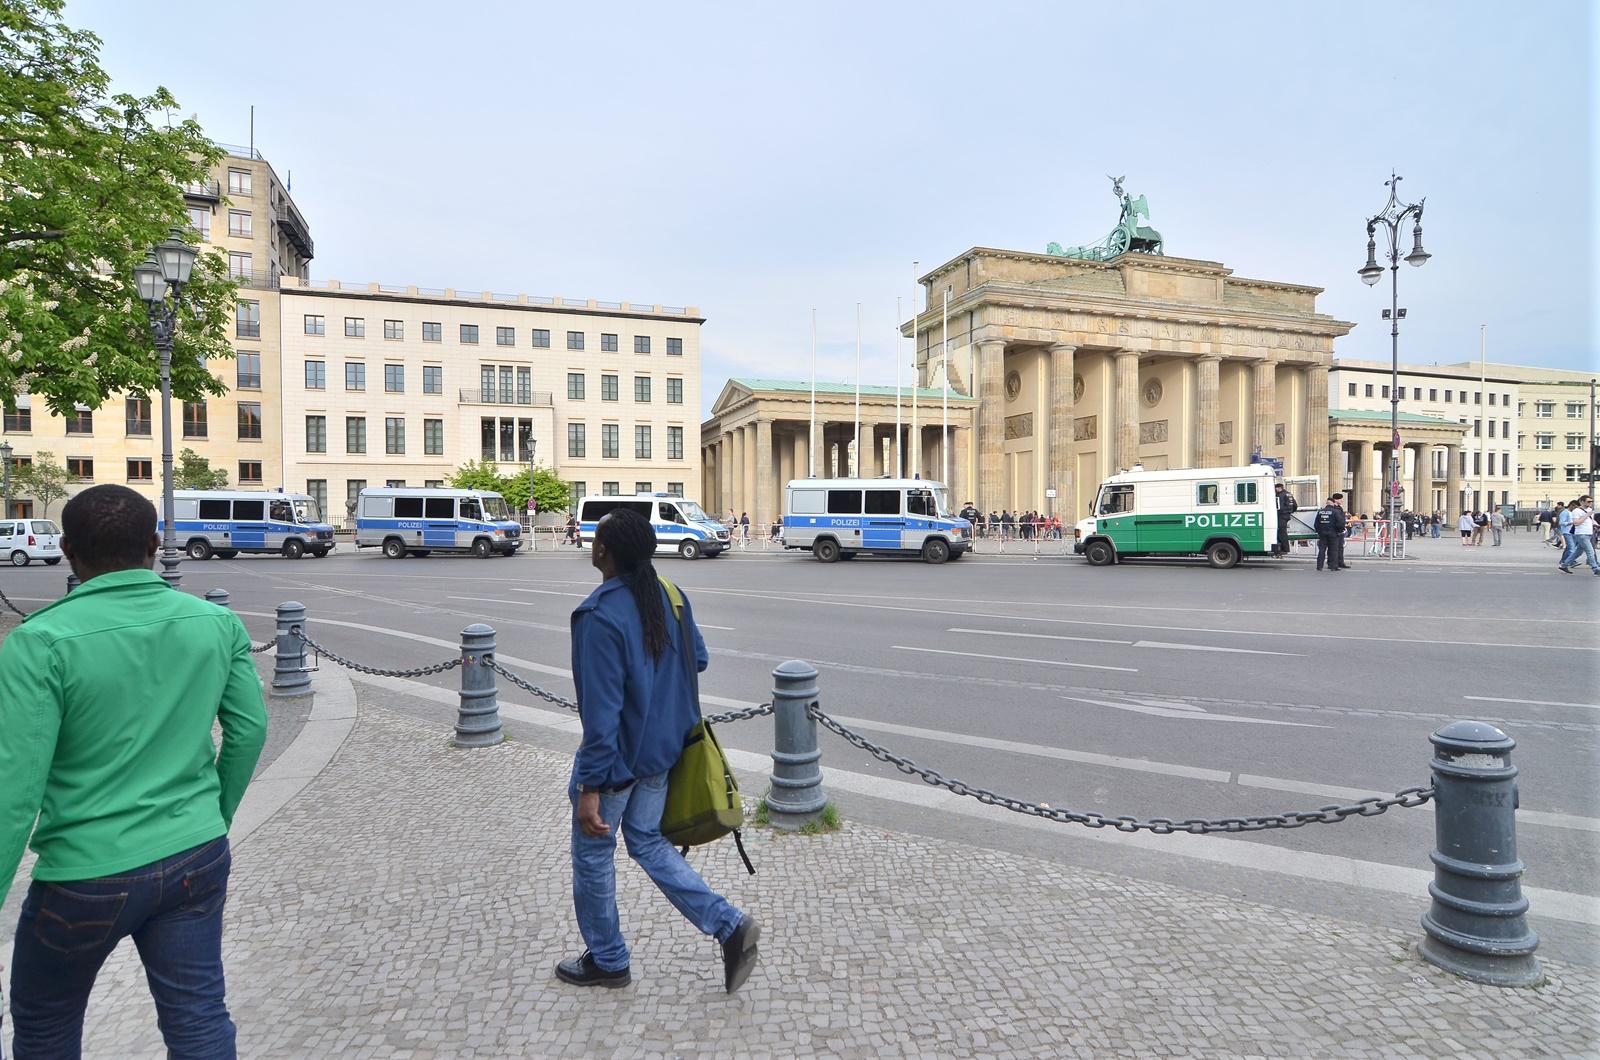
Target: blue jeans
[
  {"x": 1569, "y": 550},
  {"x": 1581, "y": 545},
  {"x": 1435, "y": 531},
  {"x": 173, "y": 910},
  {"x": 637, "y": 809}
]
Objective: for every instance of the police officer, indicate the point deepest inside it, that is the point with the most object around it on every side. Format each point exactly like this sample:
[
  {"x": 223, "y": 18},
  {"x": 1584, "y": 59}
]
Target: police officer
[
  {"x": 1286, "y": 507},
  {"x": 1330, "y": 526}
]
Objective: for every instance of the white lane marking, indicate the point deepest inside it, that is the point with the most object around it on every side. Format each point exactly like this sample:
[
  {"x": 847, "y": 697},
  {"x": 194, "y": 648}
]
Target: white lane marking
[
  {"x": 1133, "y": 643},
  {"x": 707, "y": 625},
  {"x": 1535, "y": 702},
  {"x": 1037, "y": 636},
  {"x": 1189, "y": 711},
  {"x": 547, "y": 592},
  {"x": 1012, "y": 658},
  {"x": 1214, "y": 647}
]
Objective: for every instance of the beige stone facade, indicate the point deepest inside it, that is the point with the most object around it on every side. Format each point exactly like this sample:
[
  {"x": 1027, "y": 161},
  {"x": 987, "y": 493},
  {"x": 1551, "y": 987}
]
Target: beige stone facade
[{"x": 1081, "y": 368}]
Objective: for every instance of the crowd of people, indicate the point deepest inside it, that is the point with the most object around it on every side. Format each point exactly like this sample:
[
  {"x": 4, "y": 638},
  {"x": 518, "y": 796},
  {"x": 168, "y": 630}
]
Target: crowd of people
[
  {"x": 1570, "y": 527},
  {"x": 1006, "y": 525}
]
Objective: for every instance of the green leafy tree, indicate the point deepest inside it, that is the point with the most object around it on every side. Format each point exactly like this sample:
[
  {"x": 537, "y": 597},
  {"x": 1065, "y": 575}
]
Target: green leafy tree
[
  {"x": 43, "y": 479},
  {"x": 89, "y": 181},
  {"x": 552, "y": 493},
  {"x": 194, "y": 472}
]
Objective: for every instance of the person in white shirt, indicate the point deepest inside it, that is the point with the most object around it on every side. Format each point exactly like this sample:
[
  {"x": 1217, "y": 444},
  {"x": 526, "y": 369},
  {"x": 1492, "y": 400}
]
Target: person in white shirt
[
  {"x": 1466, "y": 526},
  {"x": 1582, "y": 536}
]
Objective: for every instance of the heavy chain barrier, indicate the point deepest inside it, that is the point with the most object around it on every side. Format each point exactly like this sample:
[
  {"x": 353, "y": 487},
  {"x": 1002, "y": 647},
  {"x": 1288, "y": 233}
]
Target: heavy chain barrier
[
  {"x": 259, "y": 649},
  {"x": 7, "y": 601},
  {"x": 349, "y": 664},
  {"x": 1368, "y": 807},
  {"x": 762, "y": 710}
]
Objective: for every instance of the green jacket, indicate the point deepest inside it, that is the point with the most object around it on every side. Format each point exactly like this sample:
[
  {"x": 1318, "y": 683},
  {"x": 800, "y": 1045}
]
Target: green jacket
[{"x": 107, "y": 699}]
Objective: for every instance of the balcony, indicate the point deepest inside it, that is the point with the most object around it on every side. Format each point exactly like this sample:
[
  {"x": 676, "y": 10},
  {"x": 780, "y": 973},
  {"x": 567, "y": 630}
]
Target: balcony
[
  {"x": 535, "y": 399},
  {"x": 295, "y": 228},
  {"x": 203, "y": 191}
]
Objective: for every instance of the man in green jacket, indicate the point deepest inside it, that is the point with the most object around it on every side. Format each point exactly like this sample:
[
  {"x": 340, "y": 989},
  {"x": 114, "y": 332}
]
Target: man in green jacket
[{"x": 107, "y": 700}]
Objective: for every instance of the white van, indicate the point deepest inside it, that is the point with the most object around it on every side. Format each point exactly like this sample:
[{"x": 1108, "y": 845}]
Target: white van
[
  {"x": 24, "y": 540},
  {"x": 840, "y": 518},
  {"x": 416, "y": 522},
  {"x": 681, "y": 525},
  {"x": 224, "y": 523}
]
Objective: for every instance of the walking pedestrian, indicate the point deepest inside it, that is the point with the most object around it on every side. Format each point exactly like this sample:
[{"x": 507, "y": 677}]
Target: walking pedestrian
[
  {"x": 637, "y": 703},
  {"x": 1287, "y": 506},
  {"x": 1497, "y": 525},
  {"x": 1330, "y": 525},
  {"x": 1480, "y": 523},
  {"x": 1466, "y": 525},
  {"x": 1005, "y": 524},
  {"x": 744, "y": 527},
  {"x": 1434, "y": 524},
  {"x": 1580, "y": 535},
  {"x": 107, "y": 701}
]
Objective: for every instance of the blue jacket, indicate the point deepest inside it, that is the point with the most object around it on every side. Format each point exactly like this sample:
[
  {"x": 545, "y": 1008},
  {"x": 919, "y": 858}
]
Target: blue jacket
[{"x": 636, "y": 711}]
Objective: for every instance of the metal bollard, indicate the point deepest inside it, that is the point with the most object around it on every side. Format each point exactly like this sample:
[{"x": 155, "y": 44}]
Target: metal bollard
[
  {"x": 219, "y": 597},
  {"x": 290, "y": 676},
  {"x": 478, "y": 722},
  {"x": 1475, "y": 926},
  {"x": 72, "y": 582},
  {"x": 796, "y": 797}
]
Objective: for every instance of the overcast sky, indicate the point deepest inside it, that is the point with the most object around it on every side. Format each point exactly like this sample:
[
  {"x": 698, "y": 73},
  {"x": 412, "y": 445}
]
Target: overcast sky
[{"x": 756, "y": 161}]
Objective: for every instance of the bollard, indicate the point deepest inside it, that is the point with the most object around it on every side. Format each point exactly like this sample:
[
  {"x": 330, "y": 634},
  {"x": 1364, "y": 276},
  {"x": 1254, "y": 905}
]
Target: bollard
[
  {"x": 796, "y": 797},
  {"x": 478, "y": 722},
  {"x": 1475, "y": 926},
  {"x": 219, "y": 597},
  {"x": 72, "y": 582},
  {"x": 290, "y": 676}
]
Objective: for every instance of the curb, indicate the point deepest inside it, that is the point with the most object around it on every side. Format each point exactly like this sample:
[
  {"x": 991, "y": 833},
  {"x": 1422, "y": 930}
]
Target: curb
[{"x": 333, "y": 715}]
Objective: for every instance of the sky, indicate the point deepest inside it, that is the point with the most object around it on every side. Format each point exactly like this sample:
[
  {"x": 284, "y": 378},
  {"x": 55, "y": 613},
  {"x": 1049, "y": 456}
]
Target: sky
[{"x": 758, "y": 161}]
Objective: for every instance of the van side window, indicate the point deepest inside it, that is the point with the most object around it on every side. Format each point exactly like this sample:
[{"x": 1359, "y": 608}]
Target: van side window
[
  {"x": 883, "y": 502},
  {"x": 249, "y": 511},
  {"x": 1116, "y": 499},
  {"x": 1244, "y": 493},
  {"x": 440, "y": 507},
  {"x": 807, "y": 502},
  {"x": 282, "y": 512},
  {"x": 6, "y": 529},
  {"x": 471, "y": 509},
  {"x": 670, "y": 514},
  {"x": 919, "y": 502},
  {"x": 216, "y": 510},
  {"x": 408, "y": 507},
  {"x": 844, "y": 502},
  {"x": 1206, "y": 493}
]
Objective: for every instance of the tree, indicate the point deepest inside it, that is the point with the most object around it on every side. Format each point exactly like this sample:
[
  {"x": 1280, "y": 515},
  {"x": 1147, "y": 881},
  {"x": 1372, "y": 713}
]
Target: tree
[
  {"x": 194, "y": 472},
  {"x": 43, "y": 479},
  {"x": 89, "y": 180},
  {"x": 552, "y": 493}
]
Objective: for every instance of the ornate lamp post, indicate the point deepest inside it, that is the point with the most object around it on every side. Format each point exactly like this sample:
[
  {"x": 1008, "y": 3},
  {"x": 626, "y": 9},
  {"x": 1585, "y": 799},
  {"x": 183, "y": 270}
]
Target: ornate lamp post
[
  {"x": 5, "y": 470},
  {"x": 167, "y": 268},
  {"x": 1392, "y": 218}
]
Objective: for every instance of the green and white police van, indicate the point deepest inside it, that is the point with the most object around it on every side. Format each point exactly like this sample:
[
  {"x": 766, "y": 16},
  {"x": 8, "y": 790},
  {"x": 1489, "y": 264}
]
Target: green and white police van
[{"x": 1221, "y": 513}]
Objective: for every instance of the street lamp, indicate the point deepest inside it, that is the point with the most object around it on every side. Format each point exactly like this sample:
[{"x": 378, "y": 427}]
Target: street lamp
[
  {"x": 5, "y": 463},
  {"x": 1392, "y": 218},
  {"x": 166, "y": 268}
]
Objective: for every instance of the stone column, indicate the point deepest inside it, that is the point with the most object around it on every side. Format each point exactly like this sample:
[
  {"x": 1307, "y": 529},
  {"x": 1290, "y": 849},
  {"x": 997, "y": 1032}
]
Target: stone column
[
  {"x": 1452, "y": 483},
  {"x": 708, "y": 474},
  {"x": 1061, "y": 414},
  {"x": 960, "y": 464},
  {"x": 1208, "y": 398},
  {"x": 785, "y": 452},
  {"x": 1333, "y": 482},
  {"x": 802, "y": 453},
  {"x": 724, "y": 474},
  {"x": 1126, "y": 408},
  {"x": 1316, "y": 428},
  {"x": 1263, "y": 404},
  {"x": 991, "y": 425},
  {"x": 765, "y": 491},
  {"x": 1422, "y": 479}
]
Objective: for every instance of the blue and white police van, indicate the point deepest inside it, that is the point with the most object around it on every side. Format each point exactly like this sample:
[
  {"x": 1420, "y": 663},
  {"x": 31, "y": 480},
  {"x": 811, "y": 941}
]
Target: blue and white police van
[
  {"x": 681, "y": 525},
  {"x": 415, "y": 522},
  {"x": 840, "y": 518},
  {"x": 224, "y": 523}
]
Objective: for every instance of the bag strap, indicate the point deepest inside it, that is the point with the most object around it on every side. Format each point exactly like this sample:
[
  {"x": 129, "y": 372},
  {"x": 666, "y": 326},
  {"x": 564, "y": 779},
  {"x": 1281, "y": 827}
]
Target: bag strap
[{"x": 685, "y": 641}]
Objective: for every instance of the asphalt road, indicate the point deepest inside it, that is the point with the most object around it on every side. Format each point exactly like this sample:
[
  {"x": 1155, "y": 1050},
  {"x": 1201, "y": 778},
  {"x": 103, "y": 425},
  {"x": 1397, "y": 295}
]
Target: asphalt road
[{"x": 1148, "y": 690}]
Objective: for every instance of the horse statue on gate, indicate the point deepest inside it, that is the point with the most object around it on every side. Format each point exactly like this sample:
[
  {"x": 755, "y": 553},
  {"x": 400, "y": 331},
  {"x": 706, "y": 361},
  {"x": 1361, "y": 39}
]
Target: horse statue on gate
[{"x": 1128, "y": 235}]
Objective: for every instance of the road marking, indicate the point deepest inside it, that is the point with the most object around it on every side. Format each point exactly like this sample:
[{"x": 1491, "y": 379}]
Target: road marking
[
  {"x": 1039, "y": 636},
  {"x": 1189, "y": 711},
  {"x": 547, "y": 592},
  {"x": 1535, "y": 702},
  {"x": 707, "y": 625},
  {"x": 1133, "y": 643},
  {"x": 1012, "y": 658}
]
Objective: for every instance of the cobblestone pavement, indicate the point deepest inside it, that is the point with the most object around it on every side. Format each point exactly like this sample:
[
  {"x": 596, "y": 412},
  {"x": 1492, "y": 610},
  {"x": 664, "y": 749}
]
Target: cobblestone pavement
[{"x": 412, "y": 900}]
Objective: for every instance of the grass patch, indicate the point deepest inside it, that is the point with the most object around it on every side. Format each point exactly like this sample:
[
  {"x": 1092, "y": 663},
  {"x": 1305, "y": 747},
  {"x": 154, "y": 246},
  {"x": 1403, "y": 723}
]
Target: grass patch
[{"x": 827, "y": 821}]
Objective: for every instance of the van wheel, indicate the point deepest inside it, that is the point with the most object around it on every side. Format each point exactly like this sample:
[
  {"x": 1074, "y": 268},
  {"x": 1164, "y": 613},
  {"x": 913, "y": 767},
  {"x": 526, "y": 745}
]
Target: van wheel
[
  {"x": 1099, "y": 554},
  {"x": 19, "y": 558},
  {"x": 826, "y": 551},
  {"x": 293, "y": 549},
  {"x": 319, "y": 553},
  {"x": 52, "y": 562},
  {"x": 420, "y": 553},
  {"x": 1222, "y": 554},
  {"x": 227, "y": 553},
  {"x": 394, "y": 548},
  {"x": 482, "y": 548},
  {"x": 199, "y": 550},
  {"x": 935, "y": 551},
  {"x": 689, "y": 550}
]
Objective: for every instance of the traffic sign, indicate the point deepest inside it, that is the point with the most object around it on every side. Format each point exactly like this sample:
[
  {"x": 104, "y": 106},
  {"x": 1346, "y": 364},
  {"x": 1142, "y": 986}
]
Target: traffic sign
[{"x": 1050, "y": 494}]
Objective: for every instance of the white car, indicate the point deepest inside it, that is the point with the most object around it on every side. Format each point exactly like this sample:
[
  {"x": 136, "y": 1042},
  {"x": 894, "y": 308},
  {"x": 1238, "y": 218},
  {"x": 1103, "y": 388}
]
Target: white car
[{"x": 24, "y": 540}]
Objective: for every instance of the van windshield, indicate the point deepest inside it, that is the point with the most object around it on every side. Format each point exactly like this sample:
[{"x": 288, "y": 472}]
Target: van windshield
[
  {"x": 941, "y": 496},
  {"x": 693, "y": 512},
  {"x": 497, "y": 509},
  {"x": 307, "y": 512}
]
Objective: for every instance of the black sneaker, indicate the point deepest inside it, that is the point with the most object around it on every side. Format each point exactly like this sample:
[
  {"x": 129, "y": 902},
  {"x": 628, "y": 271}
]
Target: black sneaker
[
  {"x": 1563, "y": 569},
  {"x": 582, "y": 971},
  {"x": 739, "y": 954}
]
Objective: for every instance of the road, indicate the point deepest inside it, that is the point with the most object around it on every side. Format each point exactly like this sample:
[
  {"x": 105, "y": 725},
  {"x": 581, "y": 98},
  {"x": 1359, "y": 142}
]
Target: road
[{"x": 1148, "y": 690}]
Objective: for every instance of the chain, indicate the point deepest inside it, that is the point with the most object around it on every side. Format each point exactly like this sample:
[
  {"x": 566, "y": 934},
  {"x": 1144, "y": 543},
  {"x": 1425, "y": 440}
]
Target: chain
[
  {"x": 560, "y": 701},
  {"x": 7, "y": 601},
  {"x": 1368, "y": 807},
  {"x": 420, "y": 671},
  {"x": 257, "y": 649},
  {"x": 741, "y": 715}
]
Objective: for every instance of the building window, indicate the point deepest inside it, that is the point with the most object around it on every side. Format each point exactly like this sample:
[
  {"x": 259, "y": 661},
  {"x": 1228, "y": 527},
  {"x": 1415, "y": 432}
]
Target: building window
[
  {"x": 610, "y": 441},
  {"x": 611, "y": 489},
  {"x": 574, "y": 340},
  {"x": 674, "y": 443},
  {"x": 249, "y": 420},
  {"x": 1574, "y": 441},
  {"x": 577, "y": 442},
  {"x": 524, "y": 386},
  {"x": 1544, "y": 409},
  {"x": 1574, "y": 409},
  {"x": 317, "y": 488},
  {"x": 1447, "y": 395},
  {"x": 355, "y": 375},
  {"x": 1542, "y": 473},
  {"x": 80, "y": 420},
  {"x": 316, "y": 434},
  {"x": 247, "y": 320},
  {"x": 1505, "y": 399},
  {"x": 395, "y": 483},
  {"x": 432, "y": 331},
  {"x": 432, "y": 379},
  {"x": 505, "y": 336},
  {"x": 574, "y": 386},
  {"x": 249, "y": 472},
  {"x": 541, "y": 338},
  {"x": 200, "y": 222},
  {"x": 316, "y": 375},
  {"x": 674, "y": 347},
  {"x": 433, "y": 483},
  {"x": 194, "y": 419},
  {"x": 239, "y": 265},
  {"x": 316, "y": 324},
  {"x": 641, "y": 442},
  {"x": 469, "y": 334},
  {"x": 1477, "y": 396},
  {"x": 239, "y": 223},
  {"x": 1544, "y": 441},
  {"x": 1433, "y": 393},
  {"x": 608, "y": 343},
  {"x": 19, "y": 417},
  {"x": 1505, "y": 428},
  {"x": 1477, "y": 428},
  {"x": 1352, "y": 389},
  {"x": 674, "y": 489},
  {"x": 644, "y": 487},
  {"x": 1491, "y": 428},
  {"x": 1491, "y": 397},
  {"x": 1491, "y": 463},
  {"x": 508, "y": 440},
  {"x": 137, "y": 414},
  {"x": 641, "y": 344},
  {"x": 1416, "y": 393},
  {"x": 486, "y": 382},
  {"x": 1386, "y": 391},
  {"x": 394, "y": 435},
  {"x": 140, "y": 470},
  {"x": 80, "y": 468},
  {"x": 641, "y": 388},
  {"x": 238, "y": 182},
  {"x": 355, "y": 327},
  {"x": 248, "y": 370},
  {"x": 674, "y": 391},
  {"x": 355, "y": 434},
  {"x": 1369, "y": 390},
  {"x": 486, "y": 437},
  {"x": 394, "y": 379},
  {"x": 608, "y": 388},
  {"x": 580, "y": 490},
  {"x": 525, "y": 440},
  {"x": 433, "y": 437},
  {"x": 505, "y": 383},
  {"x": 394, "y": 329}
]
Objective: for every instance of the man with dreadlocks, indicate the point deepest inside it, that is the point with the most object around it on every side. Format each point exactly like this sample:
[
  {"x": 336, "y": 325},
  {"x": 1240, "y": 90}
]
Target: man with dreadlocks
[{"x": 637, "y": 705}]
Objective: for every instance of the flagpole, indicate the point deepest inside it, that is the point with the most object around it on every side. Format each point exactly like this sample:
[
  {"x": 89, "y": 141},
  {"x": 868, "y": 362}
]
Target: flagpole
[
  {"x": 811, "y": 438},
  {"x": 916, "y": 381},
  {"x": 899, "y": 468},
  {"x": 944, "y": 348},
  {"x": 856, "y": 437}
]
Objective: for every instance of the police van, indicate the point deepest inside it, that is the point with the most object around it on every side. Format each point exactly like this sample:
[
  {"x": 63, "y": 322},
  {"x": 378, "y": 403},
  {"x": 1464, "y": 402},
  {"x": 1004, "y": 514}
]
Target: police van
[
  {"x": 224, "y": 523},
  {"x": 681, "y": 525},
  {"x": 840, "y": 518},
  {"x": 416, "y": 522},
  {"x": 1221, "y": 513}
]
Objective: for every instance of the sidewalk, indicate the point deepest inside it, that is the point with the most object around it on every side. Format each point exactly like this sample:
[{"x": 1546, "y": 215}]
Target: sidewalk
[{"x": 411, "y": 900}]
